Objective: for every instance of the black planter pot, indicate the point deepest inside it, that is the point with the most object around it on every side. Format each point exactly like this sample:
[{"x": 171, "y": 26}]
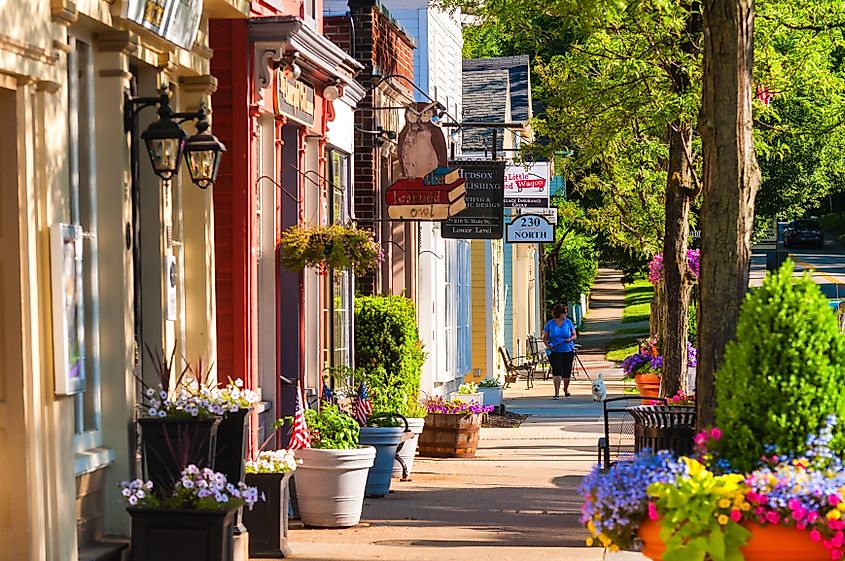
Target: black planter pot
[
  {"x": 178, "y": 535},
  {"x": 267, "y": 522},
  {"x": 169, "y": 445},
  {"x": 232, "y": 439}
]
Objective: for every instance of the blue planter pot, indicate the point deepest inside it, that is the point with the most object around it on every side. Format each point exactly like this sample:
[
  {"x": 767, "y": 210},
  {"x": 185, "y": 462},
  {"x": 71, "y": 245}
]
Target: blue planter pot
[{"x": 385, "y": 440}]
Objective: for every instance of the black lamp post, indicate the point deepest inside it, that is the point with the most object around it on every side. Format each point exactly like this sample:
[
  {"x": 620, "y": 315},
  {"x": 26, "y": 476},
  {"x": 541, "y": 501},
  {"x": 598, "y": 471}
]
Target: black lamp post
[{"x": 166, "y": 141}]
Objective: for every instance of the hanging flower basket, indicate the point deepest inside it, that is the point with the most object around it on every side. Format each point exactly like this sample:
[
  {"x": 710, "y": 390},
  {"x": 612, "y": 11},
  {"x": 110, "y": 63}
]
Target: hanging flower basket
[{"x": 329, "y": 247}]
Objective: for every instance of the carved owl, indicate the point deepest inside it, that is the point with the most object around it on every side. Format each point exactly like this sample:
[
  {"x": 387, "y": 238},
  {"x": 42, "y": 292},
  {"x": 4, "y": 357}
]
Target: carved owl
[{"x": 421, "y": 144}]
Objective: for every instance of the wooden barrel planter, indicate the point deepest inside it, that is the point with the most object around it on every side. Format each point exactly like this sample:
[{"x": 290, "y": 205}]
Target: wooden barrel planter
[
  {"x": 648, "y": 384},
  {"x": 449, "y": 436}
]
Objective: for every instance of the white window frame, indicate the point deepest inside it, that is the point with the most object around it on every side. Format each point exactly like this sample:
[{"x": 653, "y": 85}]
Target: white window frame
[{"x": 87, "y": 441}]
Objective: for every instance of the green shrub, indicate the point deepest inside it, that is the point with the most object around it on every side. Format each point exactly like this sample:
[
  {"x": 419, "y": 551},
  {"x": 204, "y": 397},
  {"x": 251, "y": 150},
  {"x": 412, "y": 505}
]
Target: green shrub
[
  {"x": 692, "y": 314},
  {"x": 782, "y": 375},
  {"x": 388, "y": 349},
  {"x": 574, "y": 273},
  {"x": 332, "y": 428}
]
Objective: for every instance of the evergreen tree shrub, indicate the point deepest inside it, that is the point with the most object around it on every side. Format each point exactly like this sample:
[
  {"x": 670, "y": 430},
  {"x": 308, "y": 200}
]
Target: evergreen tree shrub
[
  {"x": 783, "y": 375},
  {"x": 388, "y": 348}
]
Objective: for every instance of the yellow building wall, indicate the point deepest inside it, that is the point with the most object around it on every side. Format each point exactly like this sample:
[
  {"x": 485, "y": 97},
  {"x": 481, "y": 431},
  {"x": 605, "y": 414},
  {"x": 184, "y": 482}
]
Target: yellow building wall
[{"x": 480, "y": 318}]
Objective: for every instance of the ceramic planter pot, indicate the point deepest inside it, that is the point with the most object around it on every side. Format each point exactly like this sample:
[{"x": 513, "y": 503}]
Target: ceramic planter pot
[
  {"x": 492, "y": 396},
  {"x": 330, "y": 485},
  {"x": 450, "y": 436},
  {"x": 175, "y": 535},
  {"x": 385, "y": 440},
  {"x": 648, "y": 384},
  {"x": 169, "y": 445},
  {"x": 408, "y": 450},
  {"x": 267, "y": 522},
  {"x": 765, "y": 544}
]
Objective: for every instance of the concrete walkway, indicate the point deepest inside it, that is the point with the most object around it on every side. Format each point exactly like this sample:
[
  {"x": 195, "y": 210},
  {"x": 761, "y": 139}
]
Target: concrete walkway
[{"x": 517, "y": 500}]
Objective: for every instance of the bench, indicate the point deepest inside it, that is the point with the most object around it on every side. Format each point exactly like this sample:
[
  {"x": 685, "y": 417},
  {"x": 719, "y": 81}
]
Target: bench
[{"x": 514, "y": 368}]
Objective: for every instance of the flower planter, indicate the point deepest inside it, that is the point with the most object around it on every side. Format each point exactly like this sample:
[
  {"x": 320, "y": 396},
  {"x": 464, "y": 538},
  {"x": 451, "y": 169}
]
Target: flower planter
[
  {"x": 766, "y": 543},
  {"x": 492, "y": 396},
  {"x": 176, "y": 535},
  {"x": 385, "y": 440},
  {"x": 232, "y": 440},
  {"x": 169, "y": 445},
  {"x": 467, "y": 397},
  {"x": 648, "y": 384},
  {"x": 450, "y": 436},
  {"x": 408, "y": 450},
  {"x": 330, "y": 485},
  {"x": 267, "y": 522}
]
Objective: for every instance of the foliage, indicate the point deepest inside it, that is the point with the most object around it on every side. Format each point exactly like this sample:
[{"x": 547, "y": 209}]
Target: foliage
[
  {"x": 574, "y": 273},
  {"x": 388, "y": 348},
  {"x": 333, "y": 246},
  {"x": 692, "y": 313},
  {"x": 331, "y": 428},
  {"x": 615, "y": 501},
  {"x": 468, "y": 388},
  {"x": 789, "y": 355},
  {"x": 699, "y": 514},
  {"x": 436, "y": 404},
  {"x": 489, "y": 383},
  {"x": 272, "y": 461},
  {"x": 655, "y": 266},
  {"x": 200, "y": 489},
  {"x": 649, "y": 360}
]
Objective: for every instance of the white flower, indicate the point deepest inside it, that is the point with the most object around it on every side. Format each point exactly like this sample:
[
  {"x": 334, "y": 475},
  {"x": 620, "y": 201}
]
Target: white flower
[
  {"x": 239, "y": 383},
  {"x": 153, "y": 412},
  {"x": 133, "y": 500},
  {"x": 162, "y": 394},
  {"x": 126, "y": 492},
  {"x": 187, "y": 483},
  {"x": 150, "y": 392},
  {"x": 162, "y": 414}
]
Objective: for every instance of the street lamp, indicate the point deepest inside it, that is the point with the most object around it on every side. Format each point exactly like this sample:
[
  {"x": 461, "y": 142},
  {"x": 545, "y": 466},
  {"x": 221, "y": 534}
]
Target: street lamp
[
  {"x": 166, "y": 141},
  {"x": 202, "y": 154}
]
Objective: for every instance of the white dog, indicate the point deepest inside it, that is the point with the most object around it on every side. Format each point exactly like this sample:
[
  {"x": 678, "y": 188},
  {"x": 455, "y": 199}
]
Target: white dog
[{"x": 599, "y": 389}]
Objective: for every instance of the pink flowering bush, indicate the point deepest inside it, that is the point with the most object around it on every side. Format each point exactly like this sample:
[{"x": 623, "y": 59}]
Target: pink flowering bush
[{"x": 655, "y": 266}]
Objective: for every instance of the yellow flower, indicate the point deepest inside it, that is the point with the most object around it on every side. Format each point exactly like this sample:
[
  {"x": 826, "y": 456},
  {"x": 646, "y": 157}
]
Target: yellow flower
[
  {"x": 841, "y": 506},
  {"x": 589, "y": 542},
  {"x": 722, "y": 519},
  {"x": 834, "y": 514},
  {"x": 613, "y": 548},
  {"x": 745, "y": 506},
  {"x": 605, "y": 541},
  {"x": 724, "y": 503}
]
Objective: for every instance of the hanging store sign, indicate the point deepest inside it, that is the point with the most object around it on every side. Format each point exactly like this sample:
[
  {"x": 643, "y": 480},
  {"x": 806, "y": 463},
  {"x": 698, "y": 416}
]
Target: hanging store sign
[
  {"x": 550, "y": 214},
  {"x": 530, "y": 229},
  {"x": 176, "y": 20},
  {"x": 430, "y": 188},
  {"x": 294, "y": 99},
  {"x": 527, "y": 185},
  {"x": 483, "y": 218}
]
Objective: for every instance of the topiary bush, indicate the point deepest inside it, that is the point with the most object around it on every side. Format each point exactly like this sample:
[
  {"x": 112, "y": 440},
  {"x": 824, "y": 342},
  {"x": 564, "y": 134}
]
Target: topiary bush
[
  {"x": 782, "y": 375},
  {"x": 388, "y": 348}
]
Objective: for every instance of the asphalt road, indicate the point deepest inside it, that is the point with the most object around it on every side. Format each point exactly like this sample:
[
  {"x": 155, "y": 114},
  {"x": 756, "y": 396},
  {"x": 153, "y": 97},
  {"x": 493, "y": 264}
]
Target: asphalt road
[{"x": 827, "y": 266}]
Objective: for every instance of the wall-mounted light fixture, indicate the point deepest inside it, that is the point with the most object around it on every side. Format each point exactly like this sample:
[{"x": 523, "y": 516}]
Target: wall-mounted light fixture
[
  {"x": 332, "y": 91},
  {"x": 166, "y": 141}
]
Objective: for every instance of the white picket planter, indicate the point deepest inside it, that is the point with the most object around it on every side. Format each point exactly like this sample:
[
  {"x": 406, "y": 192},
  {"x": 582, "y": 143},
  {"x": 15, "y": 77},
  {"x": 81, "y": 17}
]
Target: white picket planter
[
  {"x": 330, "y": 485},
  {"x": 409, "y": 449}
]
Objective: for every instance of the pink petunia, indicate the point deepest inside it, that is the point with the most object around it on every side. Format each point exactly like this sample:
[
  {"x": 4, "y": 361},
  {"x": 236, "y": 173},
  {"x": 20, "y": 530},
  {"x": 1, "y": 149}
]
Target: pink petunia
[
  {"x": 812, "y": 516},
  {"x": 836, "y": 554},
  {"x": 736, "y": 515},
  {"x": 715, "y": 433},
  {"x": 772, "y": 517},
  {"x": 652, "y": 511},
  {"x": 815, "y": 535},
  {"x": 833, "y": 500}
]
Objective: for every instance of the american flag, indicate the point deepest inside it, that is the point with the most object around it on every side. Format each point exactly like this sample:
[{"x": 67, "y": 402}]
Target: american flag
[
  {"x": 328, "y": 395},
  {"x": 362, "y": 408},
  {"x": 299, "y": 435},
  {"x": 765, "y": 95}
]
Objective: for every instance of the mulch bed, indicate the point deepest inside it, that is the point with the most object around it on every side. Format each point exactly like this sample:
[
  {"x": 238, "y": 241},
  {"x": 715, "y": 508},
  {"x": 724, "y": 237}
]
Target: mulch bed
[{"x": 507, "y": 421}]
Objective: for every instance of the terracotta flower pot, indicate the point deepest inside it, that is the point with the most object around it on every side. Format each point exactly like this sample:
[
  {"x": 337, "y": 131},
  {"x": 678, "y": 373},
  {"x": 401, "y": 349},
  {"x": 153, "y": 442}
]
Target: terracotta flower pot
[
  {"x": 648, "y": 384},
  {"x": 766, "y": 543}
]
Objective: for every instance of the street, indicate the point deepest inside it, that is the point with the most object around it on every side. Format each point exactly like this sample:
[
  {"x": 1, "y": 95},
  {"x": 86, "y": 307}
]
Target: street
[{"x": 827, "y": 266}]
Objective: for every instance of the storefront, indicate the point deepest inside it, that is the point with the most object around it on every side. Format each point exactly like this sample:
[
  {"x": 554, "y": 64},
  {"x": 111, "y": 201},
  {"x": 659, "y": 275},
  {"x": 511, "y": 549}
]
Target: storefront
[
  {"x": 111, "y": 257},
  {"x": 278, "y": 326}
]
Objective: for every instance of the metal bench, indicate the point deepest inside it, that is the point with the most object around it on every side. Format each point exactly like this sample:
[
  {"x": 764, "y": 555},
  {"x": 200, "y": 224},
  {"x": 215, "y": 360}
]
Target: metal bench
[
  {"x": 513, "y": 368},
  {"x": 541, "y": 360}
]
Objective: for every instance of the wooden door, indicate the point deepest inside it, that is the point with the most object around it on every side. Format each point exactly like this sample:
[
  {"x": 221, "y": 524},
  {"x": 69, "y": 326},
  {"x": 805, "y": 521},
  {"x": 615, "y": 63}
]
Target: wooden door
[{"x": 14, "y": 513}]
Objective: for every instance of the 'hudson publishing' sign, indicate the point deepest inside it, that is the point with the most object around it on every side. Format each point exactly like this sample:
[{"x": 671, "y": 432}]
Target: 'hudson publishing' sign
[{"x": 483, "y": 218}]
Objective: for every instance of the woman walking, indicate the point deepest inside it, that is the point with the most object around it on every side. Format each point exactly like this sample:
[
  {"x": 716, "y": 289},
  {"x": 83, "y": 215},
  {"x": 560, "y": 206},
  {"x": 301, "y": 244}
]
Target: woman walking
[{"x": 558, "y": 336}]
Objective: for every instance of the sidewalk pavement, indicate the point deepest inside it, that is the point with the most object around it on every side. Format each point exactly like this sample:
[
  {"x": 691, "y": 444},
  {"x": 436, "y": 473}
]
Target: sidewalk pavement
[{"x": 516, "y": 501}]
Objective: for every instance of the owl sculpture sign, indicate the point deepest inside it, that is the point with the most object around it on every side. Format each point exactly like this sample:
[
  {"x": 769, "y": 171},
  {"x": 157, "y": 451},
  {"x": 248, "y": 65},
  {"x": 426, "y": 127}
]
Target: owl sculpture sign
[{"x": 429, "y": 189}]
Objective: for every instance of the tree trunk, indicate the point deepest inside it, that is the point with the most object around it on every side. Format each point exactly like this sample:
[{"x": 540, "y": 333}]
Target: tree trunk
[
  {"x": 731, "y": 178},
  {"x": 676, "y": 274}
]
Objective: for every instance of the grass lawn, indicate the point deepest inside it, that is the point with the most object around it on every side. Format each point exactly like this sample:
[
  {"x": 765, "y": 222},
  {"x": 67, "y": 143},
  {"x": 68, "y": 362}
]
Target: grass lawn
[{"x": 638, "y": 296}]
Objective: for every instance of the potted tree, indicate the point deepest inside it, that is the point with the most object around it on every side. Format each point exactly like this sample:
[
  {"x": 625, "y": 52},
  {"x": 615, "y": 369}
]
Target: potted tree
[
  {"x": 194, "y": 520},
  {"x": 331, "y": 479},
  {"x": 267, "y": 522}
]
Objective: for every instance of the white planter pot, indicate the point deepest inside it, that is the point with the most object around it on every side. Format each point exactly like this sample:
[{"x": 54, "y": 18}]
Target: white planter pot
[
  {"x": 330, "y": 485},
  {"x": 492, "y": 396},
  {"x": 466, "y": 397},
  {"x": 409, "y": 449}
]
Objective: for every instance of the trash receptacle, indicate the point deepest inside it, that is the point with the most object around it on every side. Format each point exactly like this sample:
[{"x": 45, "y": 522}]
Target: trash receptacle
[{"x": 664, "y": 427}]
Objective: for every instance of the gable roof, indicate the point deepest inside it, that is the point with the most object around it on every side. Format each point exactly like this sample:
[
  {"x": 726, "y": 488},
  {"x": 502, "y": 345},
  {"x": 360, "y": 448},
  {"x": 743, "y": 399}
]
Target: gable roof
[
  {"x": 485, "y": 99},
  {"x": 519, "y": 80}
]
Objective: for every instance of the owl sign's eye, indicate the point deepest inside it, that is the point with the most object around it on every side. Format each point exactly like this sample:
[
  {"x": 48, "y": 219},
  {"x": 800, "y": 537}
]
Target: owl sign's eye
[
  {"x": 425, "y": 117},
  {"x": 411, "y": 117}
]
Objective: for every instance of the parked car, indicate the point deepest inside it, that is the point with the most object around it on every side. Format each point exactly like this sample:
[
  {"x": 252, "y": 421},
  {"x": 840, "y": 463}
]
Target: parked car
[{"x": 803, "y": 232}]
